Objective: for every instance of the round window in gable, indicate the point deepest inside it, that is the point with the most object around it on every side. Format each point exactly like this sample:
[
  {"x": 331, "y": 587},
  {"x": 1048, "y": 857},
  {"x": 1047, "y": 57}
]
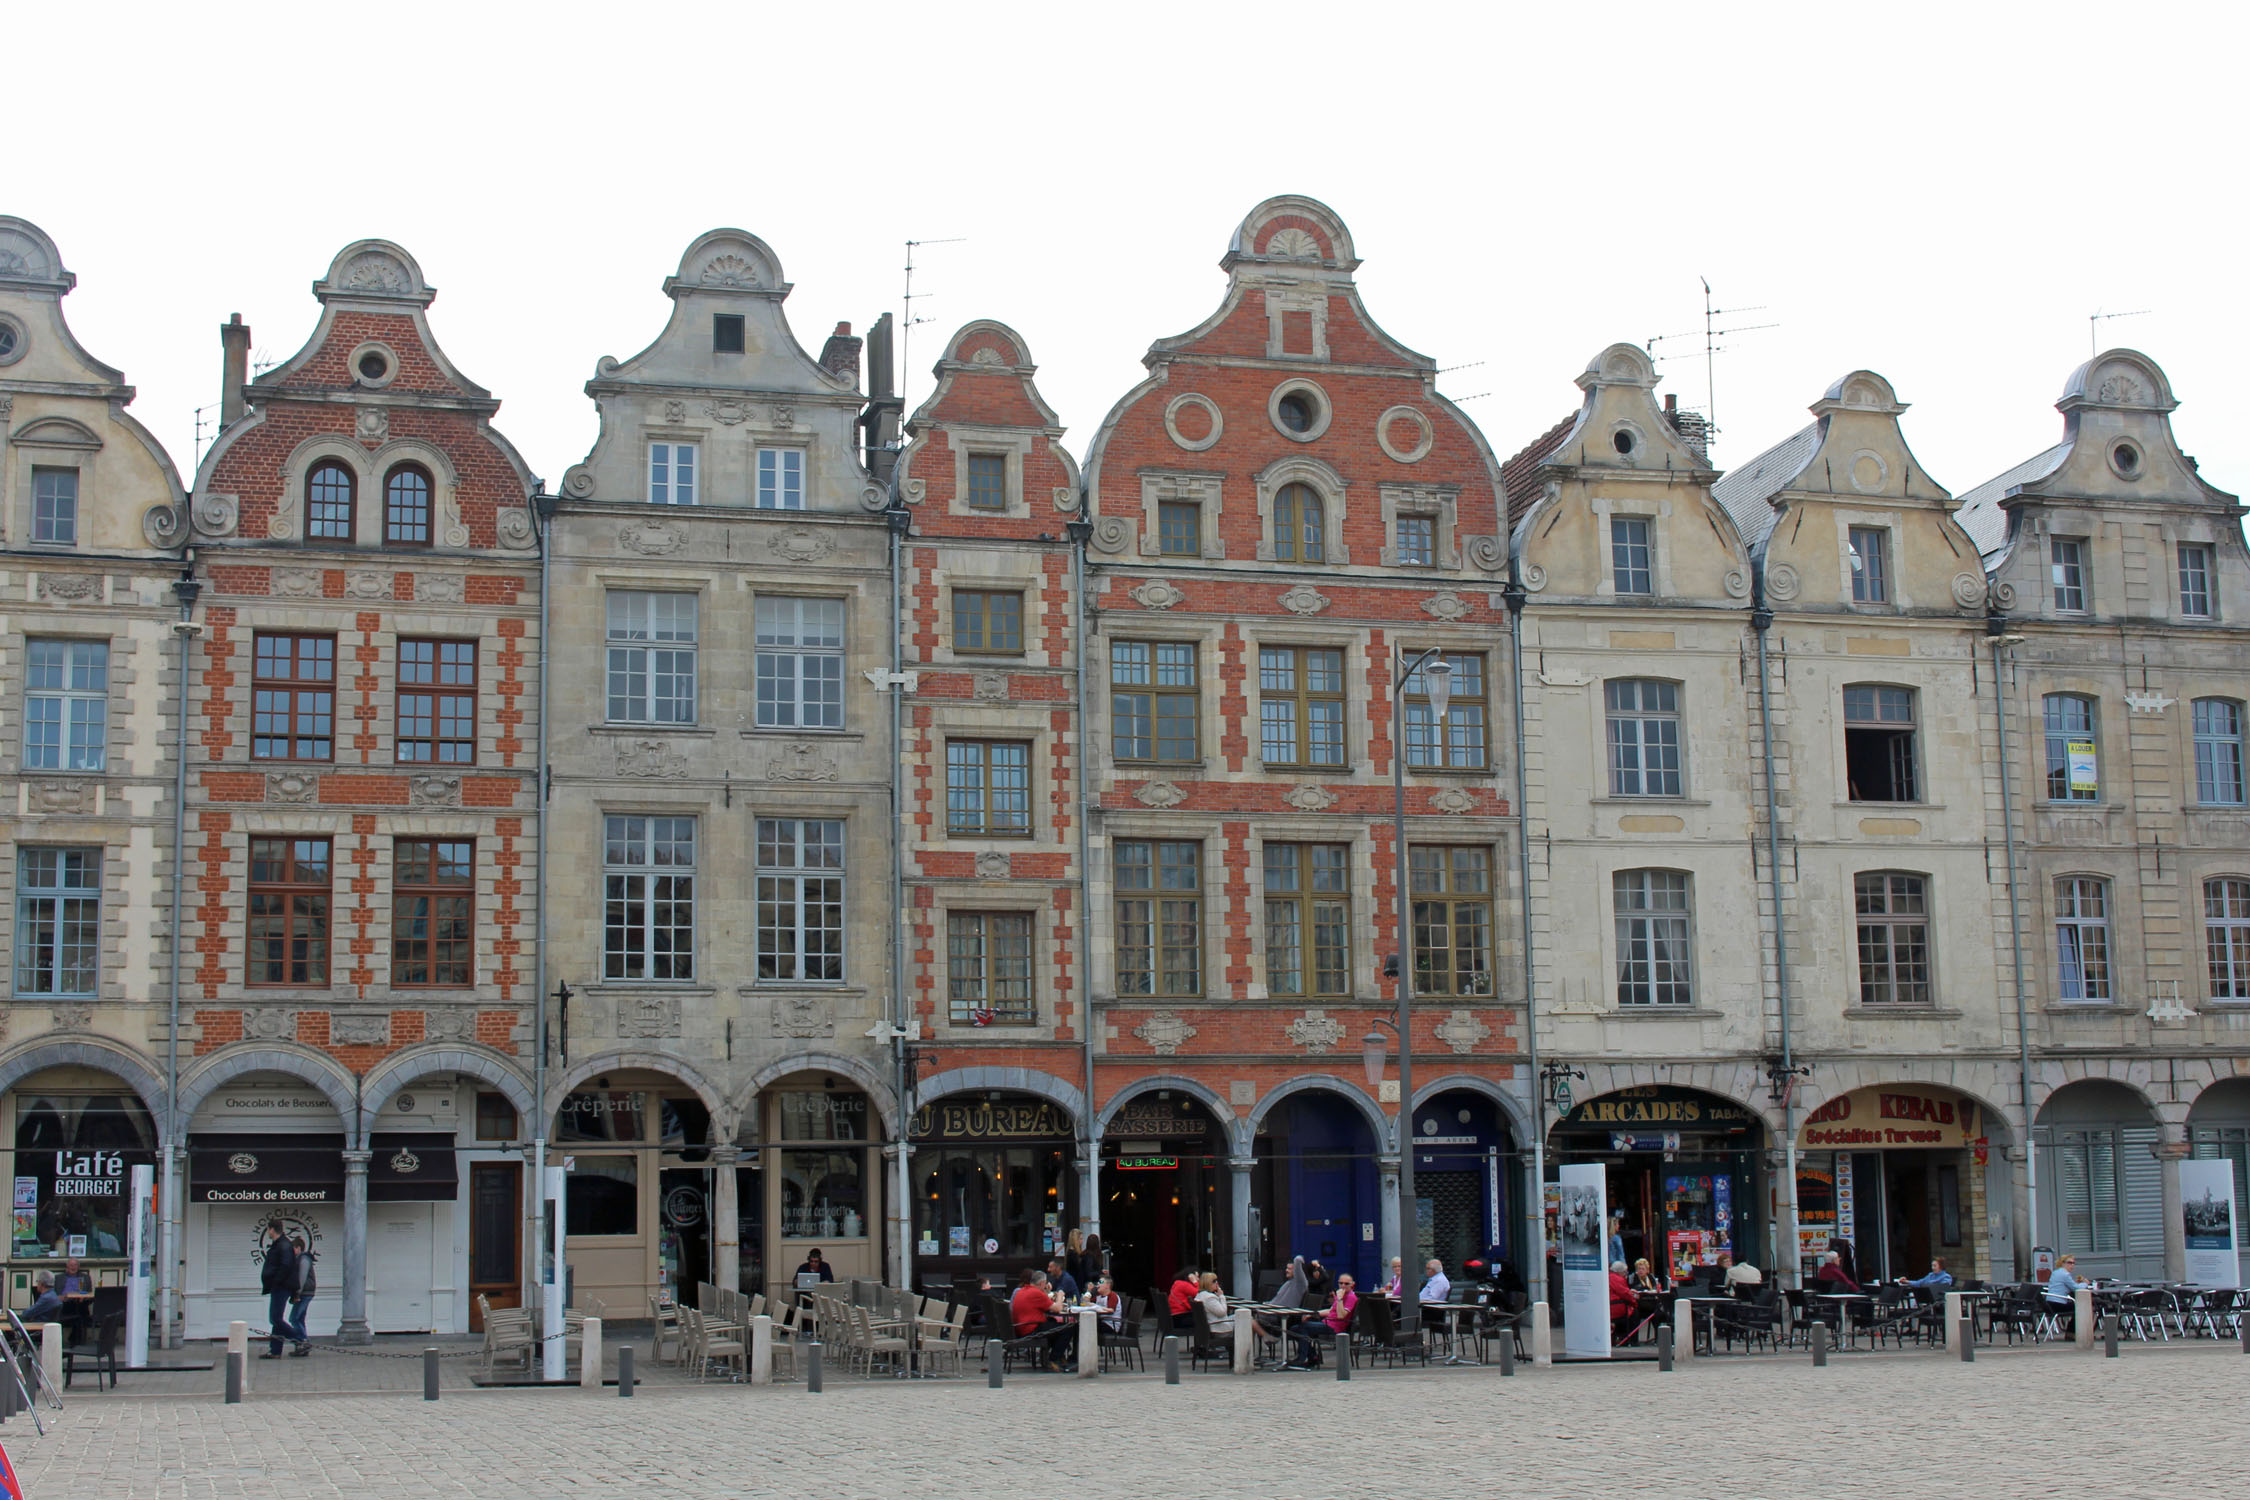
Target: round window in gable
[
  {"x": 1299, "y": 409},
  {"x": 1622, "y": 441},
  {"x": 2126, "y": 460},
  {"x": 1296, "y": 412},
  {"x": 12, "y": 341},
  {"x": 374, "y": 365}
]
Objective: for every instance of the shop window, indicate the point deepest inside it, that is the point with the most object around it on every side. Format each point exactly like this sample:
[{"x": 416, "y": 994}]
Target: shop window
[
  {"x": 496, "y": 1118},
  {"x": 2067, "y": 564},
  {"x": 1300, "y": 706},
  {"x": 602, "y": 1195},
  {"x": 1655, "y": 964},
  {"x": 988, "y": 788},
  {"x": 1643, "y": 720},
  {"x": 1308, "y": 919},
  {"x": 823, "y": 1115},
  {"x": 406, "y": 507},
  {"x": 648, "y": 893},
  {"x": 1451, "y": 887},
  {"x": 437, "y": 703},
  {"x": 329, "y": 492},
  {"x": 74, "y": 1161},
  {"x": 2218, "y": 751},
  {"x": 1894, "y": 938},
  {"x": 1159, "y": 918},
  {"x": 1466, "y": 716},
  {"x": 1154, "y": 700},
  {"x": 293, "y": 697},
  {"x": 781, "y": 479},
  {"x": 2226, "y": 940},
  {"x": 2198, "y": 580},
  {"x": 1300, "y": 524},
  {"x": 983, "y": 1203},
  {"x": 603, "y": 1115},
  {"x": 66, "y": 706},
  {"x": 651, "y": 670},
  {"x": 800, "y": 899},
  {"x": 287, "y": 930},
  {"x": 1631, "y": 555},
  {"x": 2072, "y": 755},
  {"x": 823, "y": 1195},
  {"x": 988, "y": 968},
  {"x": 2082, "y": 939},
  {"x": 1871, "y": 567},
  {"x": 1879, "y": 759},
  {"x": 800, "y": 663},
  {"x": 58, "y": 921},
  {"x": 987, "y": 622},
  {"x": 433, "y": 899},
  {"x": 671, "y": 473}
]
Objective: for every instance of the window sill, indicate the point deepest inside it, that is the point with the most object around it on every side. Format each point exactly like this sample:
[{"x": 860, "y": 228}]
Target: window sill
[
  {"x": 1900, "y": 1013},
  {"x": 1663, "y": 1013},
  {"x": 1650, "y": 801},
  {"x": 2042, "y": 804},
  {"x": 1136, "y": 770},
  {"x": 766, "y": 732},
  {"x": 2219, "y": 807},
  {"x": 687, "y": 731},
  {"x": 974, "y": 834},
  {"x": 2088, "y": 1008},
  {"x": 1928, "y": 807},
  {"x": 1471, "y": 772},
  {"x": 813, "y": 986},
  {"x": 649, "y": 986}
]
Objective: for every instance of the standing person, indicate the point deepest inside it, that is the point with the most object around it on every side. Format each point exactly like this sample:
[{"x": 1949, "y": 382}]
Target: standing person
[
  {"x": 1095, "y": 1266},
  {"x": 301, "y": 1295},
  {"x": 1616, "y": 1237},
  {"x": 277, "y": 1276}
]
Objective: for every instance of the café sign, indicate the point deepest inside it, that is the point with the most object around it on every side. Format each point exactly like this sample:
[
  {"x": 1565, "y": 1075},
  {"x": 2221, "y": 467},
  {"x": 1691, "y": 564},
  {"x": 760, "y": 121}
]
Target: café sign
[
  {"x": 89, "y": 1174},
  {"x": 1894, "y": 1115}
]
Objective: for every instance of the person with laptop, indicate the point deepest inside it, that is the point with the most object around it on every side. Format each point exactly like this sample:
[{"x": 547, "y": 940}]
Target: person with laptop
[{"x": 814, "y": 1265}]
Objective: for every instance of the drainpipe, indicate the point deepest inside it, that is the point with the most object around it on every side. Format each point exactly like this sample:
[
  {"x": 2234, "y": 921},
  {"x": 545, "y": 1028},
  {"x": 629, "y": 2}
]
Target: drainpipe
[
  {"x": 1761, "y": 621},
  {"x": 186, "y": 591},
  {"x": 1080, "y": 532},
  {"x": 1535, "y": 1275},
  {"x": 1996, "y": 630},
  {"x": 543, "y": 506},
  {"x": 902, "y": 1224}
]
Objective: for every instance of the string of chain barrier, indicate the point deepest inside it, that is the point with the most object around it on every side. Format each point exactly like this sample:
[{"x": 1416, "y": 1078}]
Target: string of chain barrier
[{"x": 477, "y": 1352}]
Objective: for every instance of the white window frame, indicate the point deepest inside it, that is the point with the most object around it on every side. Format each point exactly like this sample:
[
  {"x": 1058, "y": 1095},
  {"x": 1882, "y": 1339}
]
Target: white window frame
[
  {"x": 1891, "y": 919},
  {"x": 665, "y": 485},
  {"x": 2207, "y": 565},
  {"x": 800, "y": 872},
  {"x": 781, "y": 478},
  {"x": 635, "y": 879},
  {"x": 795, "y": 653},
  {"x": 2226, "y": 937},
  {"x": 80, "y": 713},
  {"x": 1644, "y": 927},
  {"x": 1645, "y": 721},
  {"x": 2082, "y": 939},
  {"x": 2078, "y": 587},
  {"x": 2208, "y": 749},
  {"x": 46, "y": 528},
  {"x": 654, "y": 645},
  {"x": 70, "y": 901}
]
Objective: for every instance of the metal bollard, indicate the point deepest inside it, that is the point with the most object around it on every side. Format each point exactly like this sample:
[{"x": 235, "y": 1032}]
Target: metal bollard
[
  {"x": 1171, "y": 1360},
  {"x": 625, "y": 1369},
  {"x": 1343, "y": 1356},
  {"x": 1819, "y": 1344},
  {"x": 994, "y": 1363},
  {"x": 429, "y": 1374},
  {"x": 234, "y": 1378},
  {"x": 812, "y": 1367},
  {"x": 1663, "y": 1350},
  {"x": 2242, "y": 1320},
  {"x": 2109, "y": 1336},
  {"x": 1966, "y": 1332},
  {"x": 1507, "y": 1352}
]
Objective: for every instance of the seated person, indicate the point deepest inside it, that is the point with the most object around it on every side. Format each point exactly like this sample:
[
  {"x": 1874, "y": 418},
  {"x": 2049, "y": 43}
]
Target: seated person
[
  {"x": 76, "y": 1288},
  {"x": 1624, "y": 1303},
  {"x": 1644, "y": 1277},
  {"x": 1739, "y": 1277},
  {"x": 1112, "y": 1307},
  {"x": 1185, "y": 1285},
  {"x": 1213, "y": 1302},
  {"x": 1311, "y": 1333},
  {"x": 1065, "y": 1285},
  {"x": 815, "y": 1266},
  {"x": 46, "y": 1303},
  {"x": 1032, "y": 1309},
  {"x": 1317, "y": 1288},
  {"x": 1832, "y": 1278},
  {"x": 1291, "y": 1294},
  {"x": 1398, "y": 1277},
  {"x": 2062, "y": 1294},
  {"x": 1435, "y": 1286},
  {"x": 1937, "y": 1280}
]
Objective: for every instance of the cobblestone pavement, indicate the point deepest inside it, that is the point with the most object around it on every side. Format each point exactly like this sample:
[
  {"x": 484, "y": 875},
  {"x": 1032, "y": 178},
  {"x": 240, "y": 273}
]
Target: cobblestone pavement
[{"x": 2157, "y": 1422}]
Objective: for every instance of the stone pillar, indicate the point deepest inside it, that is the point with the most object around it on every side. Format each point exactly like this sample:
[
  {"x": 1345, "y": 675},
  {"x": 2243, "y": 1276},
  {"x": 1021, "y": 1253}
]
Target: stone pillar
[
  {"x": 1386, "y": 1167},
  {"x": 726, "y": 1221},
  {"x": 2083, "y": 1302},
  {"x": 2169, "y": 1154},
  {"x": 353, "y": 1328},
  {"x": 1245, "y": 1340},
  {"x": 1241, "y": 1281},
  {"x": 1089, "y": 1343},
  {"x": 1089, "y": 1189},
  {"x": 590, "y": 1355},
  {"x": 761, "y": 1350}
]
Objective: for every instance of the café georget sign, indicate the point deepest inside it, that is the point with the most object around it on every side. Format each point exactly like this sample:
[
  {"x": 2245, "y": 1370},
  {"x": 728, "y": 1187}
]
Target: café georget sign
[
  {"x": 89, "y": 1174},
  {"x": 1888, "y": 1115}
]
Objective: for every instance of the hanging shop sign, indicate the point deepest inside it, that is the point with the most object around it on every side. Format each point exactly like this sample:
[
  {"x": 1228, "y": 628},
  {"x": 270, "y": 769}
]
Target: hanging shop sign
[
  {"x": 1147, "y": 1163},
  {"x": 1894, "y": 1115},
  {"x": 973, "y": 1118}
]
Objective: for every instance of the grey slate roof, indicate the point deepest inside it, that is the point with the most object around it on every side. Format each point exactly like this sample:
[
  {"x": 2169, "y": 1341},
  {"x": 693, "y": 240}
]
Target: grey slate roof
[
  {"x": 1748, "y": 489},
  {"x": 1979, "y": 511}
]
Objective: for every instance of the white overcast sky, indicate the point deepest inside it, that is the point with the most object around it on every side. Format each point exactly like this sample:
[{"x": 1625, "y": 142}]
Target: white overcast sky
[{"x": 1938, "y": 193}]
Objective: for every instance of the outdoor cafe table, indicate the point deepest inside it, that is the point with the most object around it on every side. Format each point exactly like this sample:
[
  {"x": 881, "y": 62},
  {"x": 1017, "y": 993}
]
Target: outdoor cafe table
[
  {"x": 1452, "y": 1313},
  {"x": 1699, "y": 1309},
  {"x": 1844, "y": 1311}
]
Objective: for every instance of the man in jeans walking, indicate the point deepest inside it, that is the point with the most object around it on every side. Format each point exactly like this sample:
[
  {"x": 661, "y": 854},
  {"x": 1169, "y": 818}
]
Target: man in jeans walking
[{"x": 277, "y": 1278}]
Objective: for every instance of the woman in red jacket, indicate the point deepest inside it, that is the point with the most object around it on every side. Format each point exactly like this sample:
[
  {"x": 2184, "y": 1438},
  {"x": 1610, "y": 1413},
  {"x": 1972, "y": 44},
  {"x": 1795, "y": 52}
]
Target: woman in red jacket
[{"x": 1624, "y": 1303}]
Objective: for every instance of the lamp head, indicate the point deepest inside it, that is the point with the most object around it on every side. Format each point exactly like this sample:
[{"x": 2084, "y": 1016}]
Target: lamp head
[{"x": 1372, "y": 1050}]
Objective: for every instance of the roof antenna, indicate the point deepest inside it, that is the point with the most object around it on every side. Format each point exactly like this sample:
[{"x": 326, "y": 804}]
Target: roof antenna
[
  {"x": 2094, "y": 322},
  {"x": 1712, "y": 348},
  {"x": 907, "y": 320}
]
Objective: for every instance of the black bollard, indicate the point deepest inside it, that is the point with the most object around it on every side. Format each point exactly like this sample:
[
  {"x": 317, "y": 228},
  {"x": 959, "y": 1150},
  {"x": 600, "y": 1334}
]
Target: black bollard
[
  {"x": 625, "y": 1370},
  {"x": 1966, "y": 1332},
  {"x": 1171, "y": 1360},
  {"x": 429, "y": 1374},
  {"x": 234, "y": 1378},
  {"x": 2109, "y": 1337},
  {"x": 994, "y": 1363},
  {"x": 1507, "y": 1352},
  {"x": 1663, "y": 1350},
  {"x": 1343, "y": 1356},
  {"x": 812, "y": 1367},
  {"x": 1819, "y": 1344}
]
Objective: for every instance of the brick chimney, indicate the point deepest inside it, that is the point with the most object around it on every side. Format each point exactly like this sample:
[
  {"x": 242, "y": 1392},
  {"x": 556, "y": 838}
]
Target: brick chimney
[
  {"x": 840, "y": 355},
  {"x": 234, "y": 367},
  {"x": 879, "y": 422}
]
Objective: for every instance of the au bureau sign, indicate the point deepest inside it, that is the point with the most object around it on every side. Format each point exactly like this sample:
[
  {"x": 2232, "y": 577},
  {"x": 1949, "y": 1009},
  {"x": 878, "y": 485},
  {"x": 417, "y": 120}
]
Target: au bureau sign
[{"x": 1894, "y": 1115}]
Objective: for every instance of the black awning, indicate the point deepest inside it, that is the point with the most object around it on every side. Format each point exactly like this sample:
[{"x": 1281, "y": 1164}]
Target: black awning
[
  {"x": 263, "y": 1169},
  {"x": 411, "y": 1167}
]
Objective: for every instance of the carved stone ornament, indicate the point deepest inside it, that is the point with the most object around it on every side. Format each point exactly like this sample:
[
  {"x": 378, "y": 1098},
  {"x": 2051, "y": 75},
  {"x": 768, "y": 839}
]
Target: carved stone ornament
[
  {"x": 296, "y": 583},
  {"x": 994, "y": 865},
  {"x": 874, "y": 497},
  {"x": 1736, "y": 583},
  {"x": 1158, "y": 794},
  {"x": 1782, "y": 583},
  {"x": 785, "y": 417},
  {"x": 1292, "y": 243},
  {"x": 804, "y": 1016},
  {"x": 1447, "y": 606},
  {"x": 1534, "y": 578},
  {"x": 1462, "y": 1031},
  {"x": 651, "y": 538},
  {"x": 2119, "y": 390},
  {"x": 648, "y": 1017},
  {"x": 215, "y": 514},
  {"x": 1304, "y": 600},
  {"x": 269, "y": 1023},
  {"x": 74, "y": 1015},
  {"x": 1164, "y": 1032},
  {"x": 578, "y": 481},
  {"x": 1156, "y": 594},
  {"x": 1451, "y": 799},
  {"x": 802, "y": 544},
  {"x": 292, "y": 786},
  {"x": 162, "y": 525},
  {"x": 453, "y": 1023},
  {"x": 360, "y": 1030},
  {"x": 373, "y": 424},
  {"x": 1316, "y": 1031},
  {"x": 1066, "y": 498},
  {"x": 730, "y": 270},
  {"x": 515, "y": 529},
  {"x": 434, "y": 791},
  {"x": 282, "y": 524},
  {"x": 990, "y": 687},
  {"x": 2148, "y": 703},
  {"x": 373, "y": 271},
  {"x": 5, "y": 1017},
  {"x": 70, "y": 588},
  {"x": 914, "y": 491},
  {"x": 988, "y": 356},
  {"x": 1486, "y": 553},
  {"x": 455, "y": 532},
  {"x": 1112, "y": 534},
  {"x": 727, "y": 411},
  {"x": 1968, "y": 590},
  {"x": 650, "y": 759},
  {"x": 1306, "y": 798},
  {"x": 2004, "y": 595},
  {"x": 438, "y": 588},
  {"x": 675, "y": 412},
  {"x": 367, "y": 585},
  {"x": 801, "y": 762},
  {"x": 62, "y": 796}
]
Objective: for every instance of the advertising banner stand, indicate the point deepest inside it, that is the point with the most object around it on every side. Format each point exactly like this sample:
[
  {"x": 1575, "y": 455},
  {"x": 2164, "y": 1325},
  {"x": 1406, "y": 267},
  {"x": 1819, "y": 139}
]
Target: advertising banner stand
[
  {"x": 2211, "y": 1223},
  {"x": 1584, "y": 1224},
  {"x": 140, "y": 1251},
  {"x": 552, "y": 1290}
]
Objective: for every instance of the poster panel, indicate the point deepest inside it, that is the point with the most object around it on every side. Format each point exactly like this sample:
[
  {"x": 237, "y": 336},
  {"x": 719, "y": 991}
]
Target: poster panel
[
  {"x": 2211, "y": 1221},
  {"x": 1582, "y": 1220},
  {"x": 140, "y": 1251}
]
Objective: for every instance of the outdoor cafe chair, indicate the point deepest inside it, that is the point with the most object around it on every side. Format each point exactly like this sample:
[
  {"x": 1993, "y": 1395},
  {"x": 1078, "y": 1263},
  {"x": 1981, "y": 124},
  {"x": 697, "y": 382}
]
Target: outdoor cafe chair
[
  {"x": 102, "y": 1355},
  {"x": 1123, "y": 1342},
  {"x": 1382, "y": 1338}
]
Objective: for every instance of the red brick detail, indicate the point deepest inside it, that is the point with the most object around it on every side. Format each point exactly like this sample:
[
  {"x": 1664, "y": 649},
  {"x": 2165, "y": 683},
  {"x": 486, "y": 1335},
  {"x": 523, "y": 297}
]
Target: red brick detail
[
  {"x": 219, "y": 1028},
  {"x": 364, "y": 791},
  {"x": 497, "y": 1029},
  {"x": 234, "y": 786},
  {"x": 487, "y": 791}
]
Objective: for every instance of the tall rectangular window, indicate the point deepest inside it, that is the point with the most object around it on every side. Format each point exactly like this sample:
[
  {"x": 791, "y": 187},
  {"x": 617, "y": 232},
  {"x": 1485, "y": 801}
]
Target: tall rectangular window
[
  {"x": 1451, "y": 890},
  {"x": 1300, "y": 525},
  {"x": 1894, "y": 938},
  {"x": 1879, "y": 759},
  {"x": 2226, "y": 937},
  {"x": 1466, "y": 716},
  {"x": 288, "y": 920},
  {"x": 433, "y": 922},
  {"x": 406, "y": 507},
  {"x": 781, "y": 479},
  {"x": 1300, "y": 706},
  {"x": 988, "y": 622},
  {"x": 988, "y": 788},
  {"x": 58, "y": 921},
  {"x": 293, "y": 697},
  {"x": 1179, "y": 529},
  {"x": 2198, "y": 580},
  {"x": 988, "y": 968},
  {"x": 2082, "y": 939},
  {"x": 648, "y": 898},
  {"x": 671, "y": 473},
  {"x": 1417, "y": 541},
  {"x": 800, "y": 663},
  {"x": 66, "y": 705},
  {"x": 1655, "y": 964},
  {"x": 329, "y": 496},
  {"x": 1644, "y": 738},
  {"x": 2073, "y": 769},
  {"x": 2090, "y": 1220},
  {"x": 437, "y": 703},
  {"x": 651, "y": 641},
  {"x": 1153, "y": 700},
  {"x": 988, "y": 481},
  {"x": 1308, "y": 919},
  {"x": 54, "y": 507},
  {"x": 2067, "y": 560},
  {"x": 1871, "y": 568},
  {"x": 2218, "y": 751},
  {"x": 1159, "y": 918},
  {"x": 801, "y": 899},
  {"x": 1631, "y": 555}
]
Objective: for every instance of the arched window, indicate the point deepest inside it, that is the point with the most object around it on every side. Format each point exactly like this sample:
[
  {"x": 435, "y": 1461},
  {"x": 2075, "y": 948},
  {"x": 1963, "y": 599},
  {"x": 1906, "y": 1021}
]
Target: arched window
[
  {"x": 2072, "y": 772},
  {"x": 1300, "y": 523},
  {"x": 2226, "y": 937},
  {"x": 2218, "y": 751},
  {"x": 406, "y": 506},
  {"x": 2082, "y": 939},
  {"x": 328, "y": 502}
]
